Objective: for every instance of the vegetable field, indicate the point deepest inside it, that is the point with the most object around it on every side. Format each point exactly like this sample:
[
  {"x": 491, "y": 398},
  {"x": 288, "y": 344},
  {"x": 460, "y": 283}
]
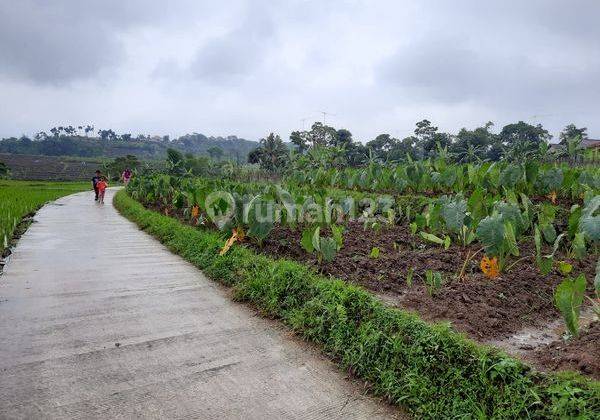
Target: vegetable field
[
  {"x": 493, "y": 248},
  {"x": 20, "y": 198}
]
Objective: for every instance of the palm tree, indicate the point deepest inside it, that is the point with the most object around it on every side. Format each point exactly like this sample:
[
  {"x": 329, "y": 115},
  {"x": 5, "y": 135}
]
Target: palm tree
[{"x": 272, "y": 153}]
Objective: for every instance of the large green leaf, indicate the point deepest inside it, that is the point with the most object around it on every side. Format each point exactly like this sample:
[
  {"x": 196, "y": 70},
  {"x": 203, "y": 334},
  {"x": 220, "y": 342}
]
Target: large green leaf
[
  {"x": 573, "y": 222},
  {"x": 549, "y": 232},
  {"x": 579, "y": 249},
  {"x": 511, "y": 241},
  {"x": 260, "y": 219},
  {"x": 307, "y": 237},
  {"x": 510, "y": 212},
  {"x": 454, "y": 213},
  {"x": 511, "y": 175},
  {"x": 568, "y": 298},
  {"x": 589, "y": 224},
  {"x": 550, "y": 180},
  {"x": 316, "y": 239},
  {"x": 338, "y": 235},
  {"x": 328, "y": 248},
  {"x": 491, "y": 234}
]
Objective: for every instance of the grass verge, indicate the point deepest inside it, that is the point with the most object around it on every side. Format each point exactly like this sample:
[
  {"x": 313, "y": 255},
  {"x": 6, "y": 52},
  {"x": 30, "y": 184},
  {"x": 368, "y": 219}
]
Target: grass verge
[
  {"x": 430, "y": 370},
  {"x": 21, "y": 198}
]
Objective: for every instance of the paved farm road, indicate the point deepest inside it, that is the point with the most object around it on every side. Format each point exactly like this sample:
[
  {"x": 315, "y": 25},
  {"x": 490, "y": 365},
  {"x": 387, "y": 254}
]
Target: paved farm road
[{"x": 98, "y": 320}]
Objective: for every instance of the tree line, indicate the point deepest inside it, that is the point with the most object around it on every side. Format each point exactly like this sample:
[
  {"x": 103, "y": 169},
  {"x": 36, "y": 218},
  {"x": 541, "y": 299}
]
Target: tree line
[
  {"x": 337, "y": 147},
  {"x": 86, "y": 141}
]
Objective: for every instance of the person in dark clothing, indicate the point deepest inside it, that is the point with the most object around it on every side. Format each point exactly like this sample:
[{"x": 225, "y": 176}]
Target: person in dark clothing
[{"x": 95, "y": 181}]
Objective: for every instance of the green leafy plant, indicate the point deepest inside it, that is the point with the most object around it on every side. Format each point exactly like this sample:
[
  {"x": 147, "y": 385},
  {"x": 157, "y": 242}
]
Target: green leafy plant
[
  {"x": 409, "y": 276},
  {"x": 589, "y": 224},
  {"x": 433, "y": 281},
  {"x": 454, "y": 214},
  {"x": 436, "y": 239},
  {"x": 325, "y": 247},
  {"x": 568, "y": 298},
  {"x": 498, "y": 238},
  {"x": 374, "y": 253},
  {"x": 260, "y": 221}
]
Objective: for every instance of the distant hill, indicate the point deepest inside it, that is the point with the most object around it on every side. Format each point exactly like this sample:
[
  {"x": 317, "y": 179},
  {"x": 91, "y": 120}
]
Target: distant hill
[{"x": 231, "y": 147}]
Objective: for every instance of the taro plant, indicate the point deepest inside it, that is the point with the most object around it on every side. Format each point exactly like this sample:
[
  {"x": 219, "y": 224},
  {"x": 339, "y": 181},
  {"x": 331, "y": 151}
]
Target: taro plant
[
  {"x": 454, "y": 213},
  {"x": 499, "y": 241},
  {"x": 325, "y": 247},
  {"x": 589, "y": 224},
  {"x": 545, "y": 263},
  {"x": 568, "y": 298},
  {"x": 409, "y": 276},
  {"x": 433, "y": 281},
  {"x": 261, "y": 218},
  {"x": 596, "y": 301}
]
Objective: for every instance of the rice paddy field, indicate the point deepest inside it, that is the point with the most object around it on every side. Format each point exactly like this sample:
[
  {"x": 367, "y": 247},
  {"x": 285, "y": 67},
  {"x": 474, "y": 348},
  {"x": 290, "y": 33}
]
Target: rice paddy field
[{"x": 19, "y": 199}]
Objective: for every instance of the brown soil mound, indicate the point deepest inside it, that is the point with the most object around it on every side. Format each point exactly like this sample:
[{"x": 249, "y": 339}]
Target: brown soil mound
[{"x": 579, "y": 354}]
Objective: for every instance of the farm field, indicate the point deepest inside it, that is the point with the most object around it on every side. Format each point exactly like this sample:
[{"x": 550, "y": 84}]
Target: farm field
[
  {"x": 50, "y": 168},
  {"x": 19, "y": 199},
  {"x": 495, "y": 249}
]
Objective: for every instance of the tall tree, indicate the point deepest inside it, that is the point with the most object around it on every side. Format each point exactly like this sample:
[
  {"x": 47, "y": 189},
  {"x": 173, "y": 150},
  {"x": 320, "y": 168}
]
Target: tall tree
[
  {"x": 298, "y": 139},
  {"x": 570, "y": 132},
  {"x": 382, "y": 145},
  {"x": 521, "y": 139},
  {"x": 473, "y": 145},
  {"x": 425, "y": 134},
  {"x": 272, "y": 154}
]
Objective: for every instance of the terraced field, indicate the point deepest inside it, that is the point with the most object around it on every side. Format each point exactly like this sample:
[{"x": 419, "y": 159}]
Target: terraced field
[{"x": 50, "y": 168}]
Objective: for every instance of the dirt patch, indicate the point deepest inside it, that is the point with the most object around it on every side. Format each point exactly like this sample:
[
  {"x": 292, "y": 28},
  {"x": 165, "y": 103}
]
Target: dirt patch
[
  {"x": 579, "y": 354},
  {"x": 480, "y": 307}
]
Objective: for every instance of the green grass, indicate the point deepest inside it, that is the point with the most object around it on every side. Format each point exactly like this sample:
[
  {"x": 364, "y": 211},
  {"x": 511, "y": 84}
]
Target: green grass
[
  {"x": 430, "y": 370},
  {"x": 19, "y": 198}
]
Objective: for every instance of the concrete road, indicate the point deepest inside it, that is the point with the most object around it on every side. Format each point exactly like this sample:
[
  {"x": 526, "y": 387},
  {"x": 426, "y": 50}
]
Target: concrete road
[{"x": 99, "y": 320}]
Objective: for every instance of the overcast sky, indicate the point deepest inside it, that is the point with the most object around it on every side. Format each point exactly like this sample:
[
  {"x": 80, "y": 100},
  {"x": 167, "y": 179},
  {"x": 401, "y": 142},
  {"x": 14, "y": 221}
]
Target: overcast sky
[{"x": 246, "y": 68}]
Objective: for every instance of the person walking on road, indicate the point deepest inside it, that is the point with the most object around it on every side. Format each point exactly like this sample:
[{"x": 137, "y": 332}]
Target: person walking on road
[
  {"x": 95, "y": 181},
  {"x": 126, "y": 176},
  {"x": 101, "y": 185}
]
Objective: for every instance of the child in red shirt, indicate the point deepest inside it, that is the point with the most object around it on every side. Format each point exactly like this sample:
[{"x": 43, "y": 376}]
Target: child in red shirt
[{"x": 101, "y": 185}]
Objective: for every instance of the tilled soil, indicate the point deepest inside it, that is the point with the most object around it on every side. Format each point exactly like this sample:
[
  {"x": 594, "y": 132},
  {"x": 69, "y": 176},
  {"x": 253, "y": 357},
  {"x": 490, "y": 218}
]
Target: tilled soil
[
  {"x": 480, "y": 307},
  {"x": 580, "y": 354}
]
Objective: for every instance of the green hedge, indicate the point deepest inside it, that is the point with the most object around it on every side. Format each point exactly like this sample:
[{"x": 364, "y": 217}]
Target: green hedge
[{"x": 429, "y": 370}]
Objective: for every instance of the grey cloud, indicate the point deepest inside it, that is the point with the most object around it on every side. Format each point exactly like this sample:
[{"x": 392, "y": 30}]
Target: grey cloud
[
  {"x": 231, "y": 57},
  {"x": 454, "y": 71},
  {"x": 53, "y": 42},
  {"x": 265, "y": 65}
]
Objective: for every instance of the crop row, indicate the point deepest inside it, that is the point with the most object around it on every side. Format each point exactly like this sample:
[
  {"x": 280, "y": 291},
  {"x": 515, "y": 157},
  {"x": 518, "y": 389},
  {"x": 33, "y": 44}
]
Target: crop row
[
  {"x": 496, "y": 222},
  {"x": 436, "y": 176}
]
